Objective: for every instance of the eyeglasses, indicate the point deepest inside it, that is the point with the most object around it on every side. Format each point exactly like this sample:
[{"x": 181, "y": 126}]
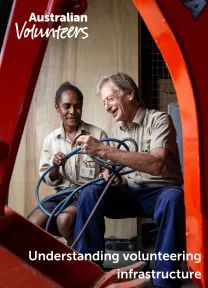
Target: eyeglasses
[{"x": 111, "y": 98}]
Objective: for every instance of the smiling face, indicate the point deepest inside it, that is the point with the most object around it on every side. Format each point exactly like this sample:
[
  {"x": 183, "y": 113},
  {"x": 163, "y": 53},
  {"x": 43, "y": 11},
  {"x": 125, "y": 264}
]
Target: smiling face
[
  {"x": 116, "y": 103},
  {"x": 70, "y": 109}
]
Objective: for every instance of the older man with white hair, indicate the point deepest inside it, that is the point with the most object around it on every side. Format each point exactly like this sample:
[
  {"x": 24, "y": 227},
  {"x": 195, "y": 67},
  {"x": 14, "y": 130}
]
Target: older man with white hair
[{"x": 153, "y": 190}]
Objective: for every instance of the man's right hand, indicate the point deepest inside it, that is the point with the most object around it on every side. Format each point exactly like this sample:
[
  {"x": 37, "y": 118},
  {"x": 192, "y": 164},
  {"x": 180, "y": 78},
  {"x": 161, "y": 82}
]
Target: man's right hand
[
  {"x": 59, "y": 159},
  {"x": 106, "y": 175}
]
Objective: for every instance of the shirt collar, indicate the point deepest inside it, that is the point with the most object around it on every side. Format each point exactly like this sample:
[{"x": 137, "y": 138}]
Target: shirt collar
[
  {"x": 138, "y": 118},
  {"x": 82, "y": 129}
]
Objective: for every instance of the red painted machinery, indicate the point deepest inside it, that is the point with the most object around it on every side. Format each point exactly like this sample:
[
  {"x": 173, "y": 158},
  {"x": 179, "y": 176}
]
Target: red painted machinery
[{"x": 179, "y": 29}]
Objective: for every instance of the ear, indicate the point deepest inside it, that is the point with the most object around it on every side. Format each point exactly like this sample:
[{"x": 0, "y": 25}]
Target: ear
[
  {"x": 131, "y": 95},
  {"x": 57, "y": 108}
]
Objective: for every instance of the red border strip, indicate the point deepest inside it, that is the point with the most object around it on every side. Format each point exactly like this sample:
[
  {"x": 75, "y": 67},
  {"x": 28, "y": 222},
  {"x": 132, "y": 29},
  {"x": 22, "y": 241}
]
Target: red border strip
[{"x": 163, "y": 35}]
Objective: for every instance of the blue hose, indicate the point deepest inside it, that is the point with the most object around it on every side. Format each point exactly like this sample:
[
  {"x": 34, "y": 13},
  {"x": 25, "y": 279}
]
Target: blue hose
[
  {"x": 100, "y": 181},
  {"x": 42, "y": 177}
]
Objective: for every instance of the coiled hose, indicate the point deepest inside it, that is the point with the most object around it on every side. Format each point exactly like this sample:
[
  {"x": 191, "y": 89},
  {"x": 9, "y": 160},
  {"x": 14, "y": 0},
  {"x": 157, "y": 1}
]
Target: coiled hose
[{"x": 114, "y": 168}]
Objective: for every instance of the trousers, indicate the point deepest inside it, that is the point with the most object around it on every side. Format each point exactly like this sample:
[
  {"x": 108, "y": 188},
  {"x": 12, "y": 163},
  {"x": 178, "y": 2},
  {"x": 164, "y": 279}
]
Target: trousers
[{"x": 165, "y": 205}]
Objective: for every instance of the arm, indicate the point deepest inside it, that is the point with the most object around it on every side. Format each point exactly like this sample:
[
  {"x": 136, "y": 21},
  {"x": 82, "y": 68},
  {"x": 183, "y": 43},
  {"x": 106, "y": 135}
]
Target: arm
[
  {"x": 53, "y": 177},
  {"x": 59, "y": 159},
  {"x": 163, "y": 142},
  {"x": 54, "y": 174},
  {"x": 152, "y": 163}
]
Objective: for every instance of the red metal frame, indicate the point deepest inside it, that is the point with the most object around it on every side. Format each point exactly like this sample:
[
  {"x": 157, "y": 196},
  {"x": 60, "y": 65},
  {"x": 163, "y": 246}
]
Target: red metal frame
[{"x": 183, "y": 43}]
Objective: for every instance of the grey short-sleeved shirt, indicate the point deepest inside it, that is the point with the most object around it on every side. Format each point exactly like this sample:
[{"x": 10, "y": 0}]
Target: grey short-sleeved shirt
[{"x": 153, "y": 129}]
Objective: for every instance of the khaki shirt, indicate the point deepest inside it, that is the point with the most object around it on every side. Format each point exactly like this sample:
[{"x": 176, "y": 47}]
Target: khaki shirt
[
  {"x": 58, "y": 141},
  {"x": 152, "y": 129}
]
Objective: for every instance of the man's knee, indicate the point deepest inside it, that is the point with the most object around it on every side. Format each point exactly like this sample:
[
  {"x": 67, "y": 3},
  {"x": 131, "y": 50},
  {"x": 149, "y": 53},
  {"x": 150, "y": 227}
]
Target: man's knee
[
  {"x": 91, "y": 193},
  {"x": 170, "y": 207},
  {"x": 171, "y": 203},
  {"x": 173, "y": 196}
]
